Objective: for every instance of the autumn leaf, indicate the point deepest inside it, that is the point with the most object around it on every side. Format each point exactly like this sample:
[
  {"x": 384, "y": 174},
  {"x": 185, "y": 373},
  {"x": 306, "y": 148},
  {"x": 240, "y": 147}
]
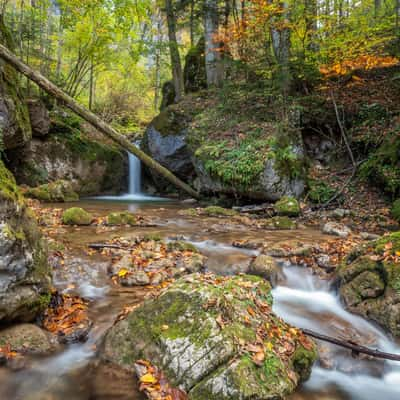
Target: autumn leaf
[{"x": 148, "y": 378}]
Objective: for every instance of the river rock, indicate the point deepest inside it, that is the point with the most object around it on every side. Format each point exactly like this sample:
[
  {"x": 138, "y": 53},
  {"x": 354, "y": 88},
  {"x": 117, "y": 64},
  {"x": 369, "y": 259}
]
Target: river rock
[
  {"x": 24, "y": 272},
  {"x": 265, "y": 267},
  {"x": 76, "y": 216},
  {"x": 26, "y": 338},
  {"x": 213, "y": 337},
  {"x": 370, "y": 282},
  {"x": 287, "y": 206},
  {"x": 333, "y": 228}
]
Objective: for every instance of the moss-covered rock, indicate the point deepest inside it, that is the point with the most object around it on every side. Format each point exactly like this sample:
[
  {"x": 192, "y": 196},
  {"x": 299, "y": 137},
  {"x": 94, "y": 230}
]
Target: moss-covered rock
[
  {"x": 25, "y": 279},
  {"x": 76, "y": 216},
  {"x": 370, "y": 282},
  {"x": 213, "y": 338},
  {"x": 58, "y": 191},
  {"x": 121, "y": 218},
  {"x": 287, "y": 206},
  {"x": 216, "y": 211},
  {"x": 279, "y": 223},
  {"x": 265, "y": 267},
  {"x": 68, "y": 153},
  {"x": 396, "y": 210}
]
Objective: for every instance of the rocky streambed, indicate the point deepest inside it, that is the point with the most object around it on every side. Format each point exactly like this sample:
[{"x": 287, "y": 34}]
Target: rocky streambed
[{"x": 221, "y": 350}]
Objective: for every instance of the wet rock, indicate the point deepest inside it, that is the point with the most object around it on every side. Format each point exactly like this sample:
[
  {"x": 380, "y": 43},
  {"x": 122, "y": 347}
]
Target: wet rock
[
  {"x": 324, "y": 261},
  {"x": 287, "y": 206},
  {"x": 370, "y": 282},
  {"x": 76, "y": 216},
  {"x": 333, "y": 228},
  {"x": 39, "y": 117},
  {"x": 255, "y": 209},
  {"x": 189, "y": 201},
  {"x": 204, "y": 340},
  {"x": 25, "y": 276},
  {"x": 216, "y": 211},
  {"x": 265, "y": 267},
  {"x": 251, "y": 244},
  {"x": 137, "y": 278},
  {"x": 54, "y": 192},
  {"x": 340, "y": 213},
  {"x": 121, "y": 218},
  {"x": 369, "y": 236},
  {"x": 26, "y": 338},
  {"x": 279, "y": 223}
]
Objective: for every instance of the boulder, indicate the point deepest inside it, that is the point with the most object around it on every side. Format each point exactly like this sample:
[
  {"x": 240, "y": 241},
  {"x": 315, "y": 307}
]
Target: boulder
[
  {"x": 25, "y": 277},
  {"x": 194, "y": 73},
  {"x": 121, "y": 218},
  {"x": 265, "y": 267},
  {"x": 370, "y": 282},
  {"x": 333, "y": 228},
  {"x": 76, "y": 216},
  {"x": 287, "y": 206},
  {"x": 15, "y": 128},
  {"x": 58, "y": 191},
  {"x": 39, "y": 117},
  {"x": 213, "y": 337},
  {"x": 67, "y": 154},
  {"x": 26, "y": 338}
]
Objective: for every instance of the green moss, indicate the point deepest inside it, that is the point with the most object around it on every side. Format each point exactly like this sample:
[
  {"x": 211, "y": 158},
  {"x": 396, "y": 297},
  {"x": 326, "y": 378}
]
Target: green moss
[
  {"x": 8, "y": 187},
  {"x": 302, "y": 359},
  {"x": 182, "y": 246},
  {"x": 287, "y": 206},
  {"x": 396, "y": 210},
  {"x": 280, "y": 223},
  {"x": 121, "y": 218},
  {"x": 156, "y": 237},
  {"x": 76, "y": 216},
  {"x": 57, "y": 191},
  {"x": 394, "y": 240},
  {"x": 215, "y": 211}
]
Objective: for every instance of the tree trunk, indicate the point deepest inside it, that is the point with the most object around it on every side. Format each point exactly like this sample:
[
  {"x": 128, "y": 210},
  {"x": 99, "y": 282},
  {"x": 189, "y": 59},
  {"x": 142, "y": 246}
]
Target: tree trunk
[
  {"x": 177, "y": 74},
  {"x": 214, "y": 68},
  {"x": 93, "y": 119},
  {"x": 281, "y": 46}
]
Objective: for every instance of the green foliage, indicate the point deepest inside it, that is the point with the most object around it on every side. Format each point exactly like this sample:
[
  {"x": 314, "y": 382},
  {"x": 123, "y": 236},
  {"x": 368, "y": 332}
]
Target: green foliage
[
  {"x": 320, "y": 192},
  {"x": 396, "y": 210}
]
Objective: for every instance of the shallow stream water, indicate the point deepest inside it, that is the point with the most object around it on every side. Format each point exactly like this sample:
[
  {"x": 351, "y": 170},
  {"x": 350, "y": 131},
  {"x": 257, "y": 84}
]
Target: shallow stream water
[{"x": 300, "y": 298}]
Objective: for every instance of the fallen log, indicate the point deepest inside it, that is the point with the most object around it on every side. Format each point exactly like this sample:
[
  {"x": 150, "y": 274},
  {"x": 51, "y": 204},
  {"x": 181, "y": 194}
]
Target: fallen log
[
  {"x": 354, "y": 347},
  {"x": 93, "y": 119},
  {"x": 99, "y": 246}
]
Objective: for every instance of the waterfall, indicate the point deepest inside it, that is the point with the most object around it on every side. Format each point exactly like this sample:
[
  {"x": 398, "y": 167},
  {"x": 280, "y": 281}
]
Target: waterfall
[{"x": 135, "y": 175}]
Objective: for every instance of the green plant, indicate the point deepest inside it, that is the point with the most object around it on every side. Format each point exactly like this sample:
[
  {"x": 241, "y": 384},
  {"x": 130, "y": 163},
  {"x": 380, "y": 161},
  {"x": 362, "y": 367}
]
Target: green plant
[{"x": 319, "y": 192}]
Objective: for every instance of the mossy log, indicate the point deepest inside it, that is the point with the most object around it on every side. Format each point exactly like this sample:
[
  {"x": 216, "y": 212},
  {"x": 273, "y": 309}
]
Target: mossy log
[{"x": 93, "y": 119}]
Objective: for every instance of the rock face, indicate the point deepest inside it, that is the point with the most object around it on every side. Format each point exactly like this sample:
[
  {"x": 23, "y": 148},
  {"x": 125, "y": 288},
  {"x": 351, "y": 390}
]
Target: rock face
[
  {"x": 92, "y": 167},
  {"x": 213, "y": 337},
  {"x": 15, "y": 129},
  {"x": 58, "y": 191},
  {"x": 370, "y": 282},
  {"x": 177, "y": 139},
  {"x": 39, "y": 117},
  {"x": 25, "y": 275}
]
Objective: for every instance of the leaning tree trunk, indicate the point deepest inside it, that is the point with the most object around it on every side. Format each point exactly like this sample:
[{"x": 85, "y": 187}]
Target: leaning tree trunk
[
  {"x": 93, "y": 119},
  {"x": 214, "y": 69}
]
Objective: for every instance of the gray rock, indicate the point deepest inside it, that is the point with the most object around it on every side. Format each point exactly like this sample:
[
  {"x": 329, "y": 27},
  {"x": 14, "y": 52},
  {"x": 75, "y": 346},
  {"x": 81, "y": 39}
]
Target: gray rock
[
  {"x": 324, "y": 261},
  {"x": 195, "y": 340},
  {"x": 369, "y": 236},
  {"x": 26, "y": 338},
  {"x": 137, "y": 278},
  {"x": 40, "y": 119},
  {"x": 333, "y": 228},
  {"x": 265, "y": 267}
]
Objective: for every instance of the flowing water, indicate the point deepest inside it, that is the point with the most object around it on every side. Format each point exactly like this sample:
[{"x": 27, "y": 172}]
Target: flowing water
[{"x": 300, "y": 298}]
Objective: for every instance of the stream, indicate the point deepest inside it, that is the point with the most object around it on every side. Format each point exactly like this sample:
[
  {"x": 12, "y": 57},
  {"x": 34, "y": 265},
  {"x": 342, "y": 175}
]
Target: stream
[{"x": 302, "y": 299}]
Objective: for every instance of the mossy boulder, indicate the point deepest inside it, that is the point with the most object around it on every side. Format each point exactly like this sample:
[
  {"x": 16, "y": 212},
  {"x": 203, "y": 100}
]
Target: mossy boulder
[
  {"x": 279, "y": 223},
  {"x": 58, "y": 191},
  {"x": 213, "y": 337},
  {"x": 76, "y": 216},
  {"x": 25, "y": 274},
  {"x": 216, "y": 211},
  {"x": 370, "y": 282},
  {"x": 395, "y": 211},
  {"x": 69, "y": 153},
  {"x": 266, "y": 267},
  {"x": 121, "y": 218},
  {"x": 287, "y": 206}
]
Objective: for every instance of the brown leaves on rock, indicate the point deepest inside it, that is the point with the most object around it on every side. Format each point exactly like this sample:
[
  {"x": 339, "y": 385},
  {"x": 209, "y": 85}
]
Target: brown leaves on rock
[
  {"x": 67, "y": 316},
  {"x": 6, "y": 354},
  {"x": 154, "y": 384}
]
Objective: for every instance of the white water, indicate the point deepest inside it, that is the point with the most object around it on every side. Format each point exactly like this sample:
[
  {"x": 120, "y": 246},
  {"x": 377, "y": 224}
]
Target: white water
[
  {"x": 305, "y": 301},
  {"x": 135, "y": 184}
]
